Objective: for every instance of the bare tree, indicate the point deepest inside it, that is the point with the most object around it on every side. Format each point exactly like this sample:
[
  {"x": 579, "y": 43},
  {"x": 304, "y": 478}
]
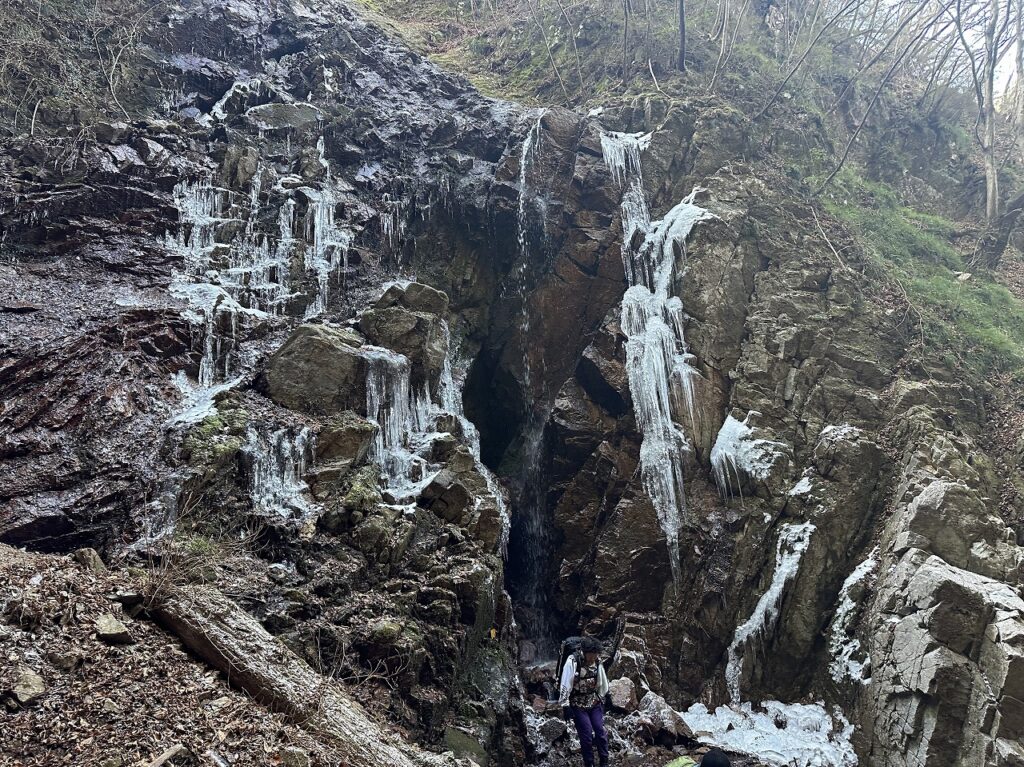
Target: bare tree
[
  {"x": 681, "y": 59},
  {"x": 981, "y": 28}
]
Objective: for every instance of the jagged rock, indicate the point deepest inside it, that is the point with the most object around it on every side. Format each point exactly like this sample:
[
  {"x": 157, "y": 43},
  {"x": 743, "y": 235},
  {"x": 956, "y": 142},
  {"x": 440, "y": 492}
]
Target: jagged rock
[
  {"x": 623, "y": 694},
  {"x": 345, "y": 437},
  {"x": 28, "y": 686},
  {"x": 417, "y": 335},
  {"x": 416, "y": 297},
  {"x": 112, "y": 631},
  {"x": 319, "y": 370},
  {"x": 447, "y": 497},
  {"x": 342, "y": 444},
  {"x": 90, "y": 560},
  {"x": 661, "y": 722},
  {"x": 553, "y": 729}
]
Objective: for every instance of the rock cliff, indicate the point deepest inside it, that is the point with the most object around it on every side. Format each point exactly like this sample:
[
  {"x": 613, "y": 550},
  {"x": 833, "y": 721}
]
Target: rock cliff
[{"x": 424, "y": 380}]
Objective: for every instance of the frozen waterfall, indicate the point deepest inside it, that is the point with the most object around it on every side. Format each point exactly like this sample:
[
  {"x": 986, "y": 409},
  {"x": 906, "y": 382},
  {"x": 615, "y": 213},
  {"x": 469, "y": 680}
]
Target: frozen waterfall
[
  {"x": 279, "y": 460},
  {"x": 659, "y": 368}
]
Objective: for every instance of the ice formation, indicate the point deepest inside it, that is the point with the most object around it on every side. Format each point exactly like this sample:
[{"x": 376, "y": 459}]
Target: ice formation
[
  {"x": 842, "y": 646},
  {"x": 279, "y": 459},
  {"x": 658, "y": 364},
  {"x": 792, "y": 543},
  {"x": 782, "y": 734},
  {"x": 735, "y": 451},
  {"x": 402, "y": 418}
]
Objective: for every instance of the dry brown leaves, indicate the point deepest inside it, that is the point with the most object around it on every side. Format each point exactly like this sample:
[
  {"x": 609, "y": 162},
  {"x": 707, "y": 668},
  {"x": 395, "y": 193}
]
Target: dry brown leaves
[{"x": 127, "y": 702}]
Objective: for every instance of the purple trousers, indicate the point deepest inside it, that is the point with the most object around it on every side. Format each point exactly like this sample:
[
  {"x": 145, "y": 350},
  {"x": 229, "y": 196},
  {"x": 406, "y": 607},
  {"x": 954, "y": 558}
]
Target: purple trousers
[{"x": 590, "y": 727}]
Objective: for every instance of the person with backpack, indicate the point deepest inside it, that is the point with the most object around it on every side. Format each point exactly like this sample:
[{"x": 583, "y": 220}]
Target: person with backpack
[{"x": 582, "y": 689}]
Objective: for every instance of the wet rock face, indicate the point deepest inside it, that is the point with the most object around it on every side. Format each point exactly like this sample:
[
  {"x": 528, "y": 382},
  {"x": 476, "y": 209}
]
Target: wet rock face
[
  {"x": 205, "y": 331},
  {"x": 802, "y": 420},
  {"x": 201, "y": 303}
]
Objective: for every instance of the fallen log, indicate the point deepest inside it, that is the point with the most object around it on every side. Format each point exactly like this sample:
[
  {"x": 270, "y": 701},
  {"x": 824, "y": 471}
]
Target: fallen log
[{"x": 232, "y": 641}]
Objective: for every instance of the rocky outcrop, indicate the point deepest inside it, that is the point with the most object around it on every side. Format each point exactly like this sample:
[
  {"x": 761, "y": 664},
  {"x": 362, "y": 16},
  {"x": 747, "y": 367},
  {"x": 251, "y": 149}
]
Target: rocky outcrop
[{"x": 213, "y": 341}]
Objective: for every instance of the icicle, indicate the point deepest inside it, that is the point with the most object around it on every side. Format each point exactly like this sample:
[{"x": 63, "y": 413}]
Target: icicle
[
  {"x": 200, "y": 208},
  {"x": 622, "y": 153},
  {"x": 330, "y": 244},
  {"x": 658, "y": 364},
  {"x": 734, "y": 450},
  {"x": 401, "y": 417},
  {"x": 793, "y": 542},
  {"x": 279, "y": 460}
]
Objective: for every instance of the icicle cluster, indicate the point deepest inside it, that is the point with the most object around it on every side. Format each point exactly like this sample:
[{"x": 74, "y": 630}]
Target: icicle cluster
[
  {"x": 330, "y": 244},
  {"x": 401, "y": 418},
  {"x": 735, "y": 451},
  {"x": 224, "y": 278},
  {"x": 279, "y": 460},
  {"x": 661, "y": 375},
  {"x": 789, "y": 550}
]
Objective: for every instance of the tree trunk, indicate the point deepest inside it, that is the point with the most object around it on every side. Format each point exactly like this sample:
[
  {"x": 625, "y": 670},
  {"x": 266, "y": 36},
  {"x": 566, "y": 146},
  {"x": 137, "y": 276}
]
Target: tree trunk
[
  {"x": 996, "y": 237},
  {"x": 232, "y": 641},
  {"x": 989, "y": 144},
  {"x": 681, "y": 61}
]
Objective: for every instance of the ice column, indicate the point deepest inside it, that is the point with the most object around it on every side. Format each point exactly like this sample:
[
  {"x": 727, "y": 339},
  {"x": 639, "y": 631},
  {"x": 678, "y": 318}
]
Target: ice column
[{"x": 657, "y": 362}]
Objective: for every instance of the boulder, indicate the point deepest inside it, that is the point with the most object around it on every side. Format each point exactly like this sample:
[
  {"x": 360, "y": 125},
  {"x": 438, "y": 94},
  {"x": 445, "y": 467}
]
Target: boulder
[
  {"x": 662, "y": 723},
  {"x": 623, "y": 694},
  {"x": 552, "y": 729},
  {"x": 90, "y": 560},
  {"x": 465, "y": 745},
  {"x": 416, "y": 297},
  {"x": 28, "y": 686},
  {"x": 417, "y": 335},
  {"x": 110, "y": 630},
  {"x": 345, "y": 437},
  {"x": 447, "y": 497},
  {"x": 319, "y": 370}
]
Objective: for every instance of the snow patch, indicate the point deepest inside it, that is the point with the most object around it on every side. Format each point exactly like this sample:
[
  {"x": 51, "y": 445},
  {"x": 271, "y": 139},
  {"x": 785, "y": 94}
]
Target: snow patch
[
  {"x": 803, "y": 487},
  {"x": 843, "y": 431}
]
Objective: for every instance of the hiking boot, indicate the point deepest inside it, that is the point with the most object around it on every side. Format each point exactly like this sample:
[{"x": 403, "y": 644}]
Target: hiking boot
[{"x": 604, "y": 761}]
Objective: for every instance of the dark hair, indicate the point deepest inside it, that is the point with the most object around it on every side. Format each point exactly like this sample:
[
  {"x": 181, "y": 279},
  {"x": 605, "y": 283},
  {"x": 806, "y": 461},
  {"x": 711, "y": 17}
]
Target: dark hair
[
  {"x": 715, "y": 758},
  {"x": 590, "y": 644}
]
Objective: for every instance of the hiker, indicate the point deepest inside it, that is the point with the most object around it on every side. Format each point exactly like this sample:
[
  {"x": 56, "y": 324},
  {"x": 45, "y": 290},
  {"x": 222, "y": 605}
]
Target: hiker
[
  {"x": 715, "y": 758},
  {"x": 582, "y": 689}
]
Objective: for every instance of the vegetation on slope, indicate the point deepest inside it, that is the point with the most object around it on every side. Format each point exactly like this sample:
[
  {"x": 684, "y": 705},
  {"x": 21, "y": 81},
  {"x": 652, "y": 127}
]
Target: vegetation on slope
[{"x": 911, "y": 189}]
